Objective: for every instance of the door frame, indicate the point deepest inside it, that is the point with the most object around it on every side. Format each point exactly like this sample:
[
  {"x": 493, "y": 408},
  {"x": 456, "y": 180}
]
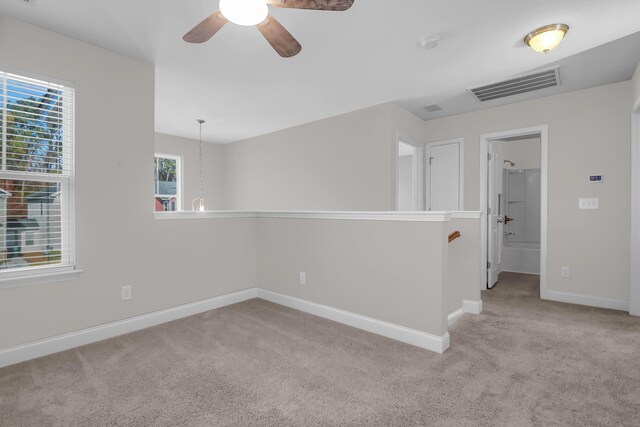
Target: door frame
[
  {"x": 427, "y": 170},
  {"x": 543, "y": 130},
  {"x": 634, "y": 276},
  {"x": 418, "y": 170}
]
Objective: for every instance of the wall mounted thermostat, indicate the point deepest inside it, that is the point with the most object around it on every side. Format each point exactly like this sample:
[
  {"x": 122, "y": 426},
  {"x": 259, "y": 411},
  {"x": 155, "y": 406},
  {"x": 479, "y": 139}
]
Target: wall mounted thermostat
[{"x": 595, "y": 179}]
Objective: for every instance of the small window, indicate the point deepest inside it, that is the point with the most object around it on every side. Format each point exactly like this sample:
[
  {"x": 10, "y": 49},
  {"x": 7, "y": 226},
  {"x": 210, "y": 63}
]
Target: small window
[
  {"x": 36, "y": 177},
  {"x": 167, "y": 183}
]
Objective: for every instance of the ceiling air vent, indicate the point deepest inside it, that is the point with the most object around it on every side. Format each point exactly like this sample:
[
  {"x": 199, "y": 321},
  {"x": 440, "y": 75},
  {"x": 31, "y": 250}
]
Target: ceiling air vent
[
  {"x": 432, "y": 108},
  {"x": 523, "y": 84}
]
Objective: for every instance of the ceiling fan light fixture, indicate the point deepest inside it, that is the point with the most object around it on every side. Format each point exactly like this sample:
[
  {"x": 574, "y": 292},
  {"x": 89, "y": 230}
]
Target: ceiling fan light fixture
[
  {"x": 244, "y": 12},
  {"x": 546, "y": 38}
]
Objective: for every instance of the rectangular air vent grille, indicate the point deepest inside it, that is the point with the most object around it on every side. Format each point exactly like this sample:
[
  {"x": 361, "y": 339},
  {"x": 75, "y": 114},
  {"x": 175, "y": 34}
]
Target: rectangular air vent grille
[{"x": 523, "y": 84}]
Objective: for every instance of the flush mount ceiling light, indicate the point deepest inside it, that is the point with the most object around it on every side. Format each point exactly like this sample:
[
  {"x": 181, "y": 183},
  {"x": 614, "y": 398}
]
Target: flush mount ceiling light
[
  {"x": 546, "y": 38},
  {"x": 244, "y": 12}
]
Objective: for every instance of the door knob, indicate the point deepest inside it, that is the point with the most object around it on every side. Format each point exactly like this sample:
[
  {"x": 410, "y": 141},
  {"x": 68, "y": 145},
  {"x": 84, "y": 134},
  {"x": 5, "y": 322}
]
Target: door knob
[
  {"x": 500, "y": 220},
  {"x": 508, "y": 220}
]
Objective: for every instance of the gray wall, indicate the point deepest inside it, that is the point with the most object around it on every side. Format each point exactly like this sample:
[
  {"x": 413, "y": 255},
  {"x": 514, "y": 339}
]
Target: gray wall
[
  {"x": 390, "y": 271},
  {"x": 525, "y": 153},
  {"x": 348, "y": 163},
  {"x": 589, "y": 132},
  {"x": 344, "y": 163},
  {"x": 464, "y": 264},
  {"x": 118, "y": 241},
  {"x": 214, "y": 176}
]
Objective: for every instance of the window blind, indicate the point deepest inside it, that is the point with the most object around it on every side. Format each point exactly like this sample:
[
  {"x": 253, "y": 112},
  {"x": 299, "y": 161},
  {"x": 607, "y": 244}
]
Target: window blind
[{"x": 36, "y": 171}]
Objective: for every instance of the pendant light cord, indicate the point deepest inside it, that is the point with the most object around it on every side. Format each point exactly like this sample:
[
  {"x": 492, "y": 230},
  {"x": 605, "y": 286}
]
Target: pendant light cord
[
  {"x": 200, "y": 157},
  {"x": 200, "y": 199}
]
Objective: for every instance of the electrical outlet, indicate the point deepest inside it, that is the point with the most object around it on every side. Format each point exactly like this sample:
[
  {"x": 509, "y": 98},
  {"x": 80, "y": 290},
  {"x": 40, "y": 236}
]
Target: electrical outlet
[
  {"x": 565, "y": 272},
  {"x": 303, "y": 279},
  {"x": 126, "y": 293}
]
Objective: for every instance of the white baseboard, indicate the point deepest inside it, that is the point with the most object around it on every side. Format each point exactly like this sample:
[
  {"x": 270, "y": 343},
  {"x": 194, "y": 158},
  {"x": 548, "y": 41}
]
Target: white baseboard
[
  {"x": 21, "y": 353},
  {"x": 472, "y": 306},
  {"x": 537, "y": 273},
  {"x": 591, "y": 301},
  {"x": 44, "y": 347},
  {"x": 453, "y": 317},
  {"x": 468, "y": 306},
  {"x": 400, "y": 333}
]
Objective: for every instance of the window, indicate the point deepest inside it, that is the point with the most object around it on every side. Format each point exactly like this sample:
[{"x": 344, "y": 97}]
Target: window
[
  {"x": 36, "y": 177},
  {"x": 167, "y": 183}
]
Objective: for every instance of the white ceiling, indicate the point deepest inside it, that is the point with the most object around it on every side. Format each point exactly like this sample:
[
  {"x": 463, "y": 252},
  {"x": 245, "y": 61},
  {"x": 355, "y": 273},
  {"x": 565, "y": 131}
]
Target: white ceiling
[{"x": 350, "y": 60}]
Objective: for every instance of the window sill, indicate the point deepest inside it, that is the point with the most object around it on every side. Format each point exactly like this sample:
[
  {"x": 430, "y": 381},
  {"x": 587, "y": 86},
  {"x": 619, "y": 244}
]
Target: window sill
[{"x": 39, "y": 278}]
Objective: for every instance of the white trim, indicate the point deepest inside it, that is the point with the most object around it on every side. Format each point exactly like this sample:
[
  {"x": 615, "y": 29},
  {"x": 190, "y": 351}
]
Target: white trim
[
  {"x": 466, "y": 215},
  {"x": 535, "y": 273},
  {"x": 70, "y": 340},
  {"x": 634, "y": 285},
  {"x": 179, "y": 185},
  {"x": 400, "y": 333},
  {"x": 588, "y": 300},
  {"x": 38, "y": 277},
  {"x": 543, "y": 130},
  {"x": 472, "y": 306},
  {"x": 417, "y": 216},
  {"x": 203, "y": 215},
  {"x": 44, "y": 347},
  {"x": 418, "y": 171},
  {"x": 468, "y": 306},
  {"x": 453, "y": 317},
  {"x": 428, "y": 145}
]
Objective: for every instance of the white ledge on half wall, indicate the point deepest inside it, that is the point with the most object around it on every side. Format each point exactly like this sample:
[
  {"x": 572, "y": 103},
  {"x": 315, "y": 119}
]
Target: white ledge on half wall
[{"x": 413, "y": 216}]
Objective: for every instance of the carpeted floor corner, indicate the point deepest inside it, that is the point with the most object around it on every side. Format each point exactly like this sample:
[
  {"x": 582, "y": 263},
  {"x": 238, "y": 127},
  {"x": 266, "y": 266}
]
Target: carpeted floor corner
[{"x": 522, "y": 362}]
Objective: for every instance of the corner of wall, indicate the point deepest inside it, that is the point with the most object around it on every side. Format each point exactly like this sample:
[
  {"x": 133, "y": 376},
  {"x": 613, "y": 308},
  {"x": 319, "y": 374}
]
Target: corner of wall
[{"x": 635, "y": 82}]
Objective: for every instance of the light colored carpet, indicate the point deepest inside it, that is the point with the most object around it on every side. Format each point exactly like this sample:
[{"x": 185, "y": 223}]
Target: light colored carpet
[{"x": 522, "y": 362}]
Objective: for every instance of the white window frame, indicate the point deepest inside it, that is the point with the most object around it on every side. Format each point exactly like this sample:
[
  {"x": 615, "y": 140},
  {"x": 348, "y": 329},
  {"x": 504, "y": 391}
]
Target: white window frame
[
  {"x": 178, "y": 194},
  {"x": 35, "y": 275}
]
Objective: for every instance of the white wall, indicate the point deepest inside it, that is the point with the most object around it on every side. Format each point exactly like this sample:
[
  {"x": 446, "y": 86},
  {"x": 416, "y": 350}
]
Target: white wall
[
  {"x": 118, "y": 241},
  {"x": 589, "y": 132},
  {"x": 345, "y": 162},
  {"x": 464, "y": 274},
  {"x": 390, "y": 271},
  {"x": 635, "y": 198},
  {"x": 635, "y": 81},
  {"x": 525, "y": 153},
  {"x": 213, "y": 169},
  {"x": 406, "y": 183}
]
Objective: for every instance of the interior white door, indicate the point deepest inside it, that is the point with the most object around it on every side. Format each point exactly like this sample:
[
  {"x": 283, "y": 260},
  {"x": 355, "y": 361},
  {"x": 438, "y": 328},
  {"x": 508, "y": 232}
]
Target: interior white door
[
  {"x": 495, "y": 220},
  {"x": 443, "y": 163}
]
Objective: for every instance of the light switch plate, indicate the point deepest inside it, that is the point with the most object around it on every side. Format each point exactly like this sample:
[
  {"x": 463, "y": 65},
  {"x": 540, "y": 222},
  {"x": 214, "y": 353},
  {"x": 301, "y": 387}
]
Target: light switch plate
[{"x": 585, "y": 203}]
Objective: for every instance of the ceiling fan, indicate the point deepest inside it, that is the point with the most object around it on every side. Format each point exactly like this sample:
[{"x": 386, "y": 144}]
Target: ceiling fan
[{"x": 256, "y": 13}]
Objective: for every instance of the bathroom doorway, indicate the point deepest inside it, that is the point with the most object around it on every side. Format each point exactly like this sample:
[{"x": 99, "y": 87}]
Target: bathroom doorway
[{"x": 513, "y": 194}]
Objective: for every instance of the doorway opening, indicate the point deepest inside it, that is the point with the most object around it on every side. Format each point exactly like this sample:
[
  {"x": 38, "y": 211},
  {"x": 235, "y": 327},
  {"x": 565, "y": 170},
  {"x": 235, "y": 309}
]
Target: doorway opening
[
  {"x": 408, "y": 175},
  {"x": 513, "y": 195}
]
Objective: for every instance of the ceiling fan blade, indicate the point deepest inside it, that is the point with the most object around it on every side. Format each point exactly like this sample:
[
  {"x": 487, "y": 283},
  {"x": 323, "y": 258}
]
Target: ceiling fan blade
[
  {"x": 206, "y": 29},
  {"x": 279, "y": 38},
  {"x": 337, "y": 5}
]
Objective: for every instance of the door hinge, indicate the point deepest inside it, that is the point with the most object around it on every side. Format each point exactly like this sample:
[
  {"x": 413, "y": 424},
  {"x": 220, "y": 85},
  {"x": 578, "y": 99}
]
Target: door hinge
[
  {"x": 430, "y": 159},
  {"x": 488, "y": 156},
  {"x": 488, "y": 265},
  {"x": 488, "y": 211}
]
